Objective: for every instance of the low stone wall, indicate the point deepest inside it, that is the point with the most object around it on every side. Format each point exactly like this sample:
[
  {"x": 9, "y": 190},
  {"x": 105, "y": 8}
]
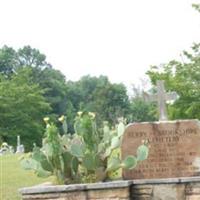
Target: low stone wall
[
  {"x": 101, "y": 191},
  {"x": 150, "y": 189}
]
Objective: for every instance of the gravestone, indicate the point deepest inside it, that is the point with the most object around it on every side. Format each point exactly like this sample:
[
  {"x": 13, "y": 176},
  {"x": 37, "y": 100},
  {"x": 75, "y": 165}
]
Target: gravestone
[
  {"x": 6, "y": 149},
  {"x": 20, "y": 147},
  {"x": 174, "y": 149},
  {"x": 174, "y": 146}
]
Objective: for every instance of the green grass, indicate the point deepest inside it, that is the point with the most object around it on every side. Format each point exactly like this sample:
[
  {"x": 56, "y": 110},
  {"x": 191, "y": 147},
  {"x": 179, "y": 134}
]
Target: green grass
[{"x": 13, "y": 177}]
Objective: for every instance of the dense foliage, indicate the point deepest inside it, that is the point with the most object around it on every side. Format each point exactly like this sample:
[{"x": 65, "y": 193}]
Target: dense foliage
[
  {"x": 99, "y": 95},
  {"x": 90, "y": 155},
  {"x": 141, "y": 110},
  {"x": 30, "y": 88},
  {"x": 22, "y": 106},
  {"x": 184, "y": 78}
]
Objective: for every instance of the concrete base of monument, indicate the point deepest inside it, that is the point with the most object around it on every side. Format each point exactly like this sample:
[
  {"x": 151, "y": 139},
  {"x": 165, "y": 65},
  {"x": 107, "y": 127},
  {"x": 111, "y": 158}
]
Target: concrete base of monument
[{"x": 143, "y": 189}]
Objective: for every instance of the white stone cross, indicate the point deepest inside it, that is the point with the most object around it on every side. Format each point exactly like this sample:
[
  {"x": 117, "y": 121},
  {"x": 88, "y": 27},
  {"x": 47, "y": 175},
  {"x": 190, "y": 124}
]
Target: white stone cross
[
  {"x": 20, "y": 147},
  {"x": 161, "y": 97},
  {"x": 18, "y": 141}
]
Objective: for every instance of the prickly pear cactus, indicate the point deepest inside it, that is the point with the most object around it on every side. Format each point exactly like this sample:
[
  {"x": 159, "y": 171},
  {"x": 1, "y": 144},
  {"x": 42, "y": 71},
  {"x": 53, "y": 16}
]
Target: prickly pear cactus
[
  {"x": 89, "y": 155},
  {"x": 116, "y": 152},
  {"x": 115, "y": 173}
]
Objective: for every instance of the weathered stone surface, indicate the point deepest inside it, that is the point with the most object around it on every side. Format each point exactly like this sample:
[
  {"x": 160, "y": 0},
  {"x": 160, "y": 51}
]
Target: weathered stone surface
[
  {"x": 74, "y": 187},
  {"x": 193, "y": 197},
  {"x": 174, "y": 150},
  {"x": 106, "y": 194},
  {"x": 150, "y": 189},
  {"x": 120, "y": 193},
  {"x": 167, "y": 180},
  {"x": 193, "y": 188},
  {"x": 192, "y": 191},
  {"x": 141, "y": 192},
  {"x": 169, "y": 192},
  {"x": 116, "y": 190},
  {"x": 58, "y": 196},
  {"x": 181, "y": 190}
]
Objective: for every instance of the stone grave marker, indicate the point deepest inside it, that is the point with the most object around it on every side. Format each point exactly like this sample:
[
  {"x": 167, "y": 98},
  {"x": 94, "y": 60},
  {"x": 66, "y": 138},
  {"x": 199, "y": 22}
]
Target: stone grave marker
[
  {"x": 20, "y": 147},
  {"x": 174, "y": 146},
  {"x": 174, "y": 149}
]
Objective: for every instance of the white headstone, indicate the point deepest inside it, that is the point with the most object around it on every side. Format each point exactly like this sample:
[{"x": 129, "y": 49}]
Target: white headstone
[{"x": 20, "y": 147}]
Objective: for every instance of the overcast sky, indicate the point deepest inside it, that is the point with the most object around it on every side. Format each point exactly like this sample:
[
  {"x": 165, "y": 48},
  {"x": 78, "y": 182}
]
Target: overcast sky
[{"x": 120, "y": 39}]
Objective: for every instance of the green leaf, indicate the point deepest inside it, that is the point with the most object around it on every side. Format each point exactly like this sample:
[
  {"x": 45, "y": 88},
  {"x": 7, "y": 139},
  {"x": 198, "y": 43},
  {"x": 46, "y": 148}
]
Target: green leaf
[
  {"x": 29, "y": 163},
  {"x": 120, "y": 129},
  {"x": 142, "y": 152},
  {"x": 113, "y": 164},
  {"x": 67, "y": 159},
  {"x": 43, "y": 173},
  {"x": 48, "y": 149},
  {"x": 64, "y": 126},
  {"x": 89, "y": 161},
  {"x": 129, "y": 162},
  {"x": 77, "y": 150},
  {"x": 101, "y": 147},
  {"x": 115, "y": 142},
  {"x": 42, "y": 159},
  {"x": 108, "y": 152},
  {"x": 74, "y": 165},
  {"x": 65, "y": 141},
  {"x": 106, "y": 131}
]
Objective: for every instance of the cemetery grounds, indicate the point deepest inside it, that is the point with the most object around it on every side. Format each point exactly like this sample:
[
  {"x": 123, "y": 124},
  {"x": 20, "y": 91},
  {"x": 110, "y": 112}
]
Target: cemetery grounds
[{"x": 13, "y": 177}]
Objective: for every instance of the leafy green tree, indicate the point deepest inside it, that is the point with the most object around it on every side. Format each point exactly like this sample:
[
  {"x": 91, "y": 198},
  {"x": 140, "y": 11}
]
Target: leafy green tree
[
  {"x": 11, "y": 60},
  {"x": 97, "y": 94},
  {"x": 196, "y": 6},
  {"x": 8, "y": 61},
  {"x": 53, "y": 81},
  {"x": 112, "y": 102},
  {"x": 32, "y": 57},
  {"x": 49, "y": 79},
  {"x": 140, "y": 110},
  {"x": 184, "y": 78},
  {"x": 22, "y": 108}
]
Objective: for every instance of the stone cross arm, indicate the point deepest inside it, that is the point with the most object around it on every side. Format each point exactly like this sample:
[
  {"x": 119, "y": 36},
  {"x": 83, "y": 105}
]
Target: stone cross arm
[
  {"x": 161, "y": 97},
  {"x": 149, "y": 98},
  {"x": 171, "y": 96}
]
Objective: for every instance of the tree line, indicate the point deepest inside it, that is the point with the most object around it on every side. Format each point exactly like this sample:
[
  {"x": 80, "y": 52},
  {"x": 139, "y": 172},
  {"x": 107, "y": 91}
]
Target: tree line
[{"x": 31, "y": 89}]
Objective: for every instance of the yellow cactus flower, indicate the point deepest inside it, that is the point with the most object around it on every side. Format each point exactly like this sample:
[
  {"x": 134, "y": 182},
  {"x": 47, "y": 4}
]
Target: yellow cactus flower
[
  {"x": 46, "y": 119},
  {"x": 61, "y": 119},
  {"x": 92, "y": 115},
  {"x": 79, "y": 113}
]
